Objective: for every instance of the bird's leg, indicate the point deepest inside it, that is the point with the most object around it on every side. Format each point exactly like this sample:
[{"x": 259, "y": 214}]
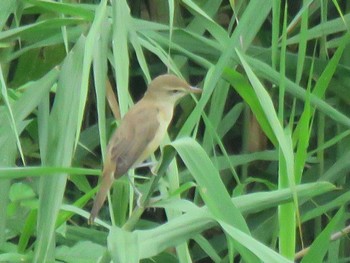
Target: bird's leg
[
  {"x": 155, "y": 199},
  {"x": 138, "y": 201},
  {"x": 137, "y": 191},
  {"x": 145, "y": 164},
  {"x": 153, "y": 168}
]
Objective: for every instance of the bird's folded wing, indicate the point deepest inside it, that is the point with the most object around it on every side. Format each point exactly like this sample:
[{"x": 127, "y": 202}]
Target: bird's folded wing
[{"x": 138, "y": 128}]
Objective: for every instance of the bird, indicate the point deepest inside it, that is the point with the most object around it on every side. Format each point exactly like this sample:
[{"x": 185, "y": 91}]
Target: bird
[{"x": 140, "y": 132}]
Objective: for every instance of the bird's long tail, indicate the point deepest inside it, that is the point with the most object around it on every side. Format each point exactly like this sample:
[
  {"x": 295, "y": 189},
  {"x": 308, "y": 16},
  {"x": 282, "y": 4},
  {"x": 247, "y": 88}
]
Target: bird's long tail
[{"x": 107, "y": 181}]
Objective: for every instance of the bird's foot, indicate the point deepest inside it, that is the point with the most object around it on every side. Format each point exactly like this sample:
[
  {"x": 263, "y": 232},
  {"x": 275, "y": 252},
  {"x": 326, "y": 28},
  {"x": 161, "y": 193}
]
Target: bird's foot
[
  {"x": 155, "y": 199},
  {"x": 138, "y": 201}
]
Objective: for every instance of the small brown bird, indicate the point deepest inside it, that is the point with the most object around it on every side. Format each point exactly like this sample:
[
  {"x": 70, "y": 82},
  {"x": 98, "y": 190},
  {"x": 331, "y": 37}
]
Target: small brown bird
[{"x": 141, "y": 131}]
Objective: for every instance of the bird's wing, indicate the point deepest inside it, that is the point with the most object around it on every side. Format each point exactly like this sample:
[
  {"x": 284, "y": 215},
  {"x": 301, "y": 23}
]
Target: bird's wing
[
  {"x": 131, "y": 141},
  {"x": 128, "y": 143}
]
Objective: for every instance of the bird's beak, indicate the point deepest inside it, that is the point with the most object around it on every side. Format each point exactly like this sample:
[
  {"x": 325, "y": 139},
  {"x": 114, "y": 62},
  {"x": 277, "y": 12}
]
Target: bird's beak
[{"x": 195, "y": 90}]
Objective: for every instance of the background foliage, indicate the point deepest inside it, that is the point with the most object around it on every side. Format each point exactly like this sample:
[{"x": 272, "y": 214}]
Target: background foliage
[{"x": 262, "y": 157}]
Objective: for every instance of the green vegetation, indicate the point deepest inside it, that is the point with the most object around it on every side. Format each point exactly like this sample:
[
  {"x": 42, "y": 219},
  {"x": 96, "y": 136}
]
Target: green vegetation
[{"x": 254, "y": 170}]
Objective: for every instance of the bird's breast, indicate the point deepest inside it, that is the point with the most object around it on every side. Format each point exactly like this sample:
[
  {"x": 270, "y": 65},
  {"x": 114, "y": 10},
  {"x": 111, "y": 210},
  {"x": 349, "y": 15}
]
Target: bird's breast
[{"x": 164, "y": 116}]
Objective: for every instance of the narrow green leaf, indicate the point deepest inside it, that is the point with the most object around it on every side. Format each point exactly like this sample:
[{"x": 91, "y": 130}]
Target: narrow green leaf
[
  {"x": 320, "y": 246},
  {"x": 263, "y": 252}
]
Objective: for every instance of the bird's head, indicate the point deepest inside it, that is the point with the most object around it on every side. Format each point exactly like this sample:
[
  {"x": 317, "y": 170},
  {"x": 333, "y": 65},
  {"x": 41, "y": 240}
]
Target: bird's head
[{"x": 169, "y": 88}]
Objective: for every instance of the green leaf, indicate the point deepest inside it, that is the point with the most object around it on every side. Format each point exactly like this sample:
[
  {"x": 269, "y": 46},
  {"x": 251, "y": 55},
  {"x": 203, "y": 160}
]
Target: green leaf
[{"x": 320, "y": 246}]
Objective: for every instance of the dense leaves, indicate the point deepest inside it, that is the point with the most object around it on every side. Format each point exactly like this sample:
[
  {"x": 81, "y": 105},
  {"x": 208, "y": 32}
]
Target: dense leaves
[{"x": 253, "y": 170}]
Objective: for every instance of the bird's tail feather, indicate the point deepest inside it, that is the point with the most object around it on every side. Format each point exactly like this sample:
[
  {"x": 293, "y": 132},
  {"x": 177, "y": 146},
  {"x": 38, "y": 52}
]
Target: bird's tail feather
[{"x": 107, "y": 181}]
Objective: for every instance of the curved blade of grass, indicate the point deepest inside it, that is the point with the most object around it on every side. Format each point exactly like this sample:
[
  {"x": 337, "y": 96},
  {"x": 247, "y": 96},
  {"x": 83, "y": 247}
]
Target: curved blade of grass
[
  {"x": 21, "y": 108},
  {"x": 244, "y": 89},
  {"x": 241, "y": 159},
  {"x": 211, "y": 188},
  {"x": 11, "y": 116},
  {"x": 229, "y": 120},
  {"x": 260, "y": 250},
  {"x": 171, "y": 5},
  {"x": 286, "y": 165},
  {"x": 324, "y": 29},
  {"x": 196, "y": 220},
  {"x": 338, "y": 169},
  {"x": 134, "y": 39},
  {"x": 7, "y": 7},
  {"x": 161, "y": 53},
  {"x": 214, "y": 29},
  {"x": 207, "y": 248},
  {"x": 320, "y": 246},
  {"x": 8, "y": 150},
  {"x": 123, "y": 246},
  {"x": 100, "y": 77},
  {"x": 326, "y": 208},
  {"x": 182, "y": 250},
  {"x": 61, "y": 129},
  {"x": 210, "y": 8},
  {"x": 215, "y": 116},
  {"x": 179, "y": 35},
  {"x": 120, "y": 27},
  {"x": 303, "y": 41},
  {"x": 65, "y": 8},
  {"x": 276, "y": 15},
  {"x": 90, "y": 48},
  {"x": 73, "y": 33},
  {"x": 22, "y": 172},
  {"x": 247, "y": 28},
  {"x": 264, "y": 70},
  {"x": 30, "y": 32}
]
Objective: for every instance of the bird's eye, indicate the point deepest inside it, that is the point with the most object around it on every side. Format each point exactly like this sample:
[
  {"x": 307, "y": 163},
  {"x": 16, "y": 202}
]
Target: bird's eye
[{"x": 174, "y": 91}]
